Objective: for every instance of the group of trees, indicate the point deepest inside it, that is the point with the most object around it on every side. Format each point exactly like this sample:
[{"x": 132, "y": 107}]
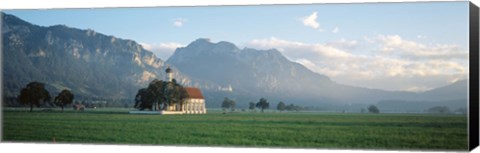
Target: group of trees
[
  {"x": 35, "y": 94},
  {"x": 282, "y": 107},
  {"x": 373, "y": 109},
  {"x": 445, "y": 110},
  {"x": 262, "y": 104},
  {"x": 159, "y": 95}
]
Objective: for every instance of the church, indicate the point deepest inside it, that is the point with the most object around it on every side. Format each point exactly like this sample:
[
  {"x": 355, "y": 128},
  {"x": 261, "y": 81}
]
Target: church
[{"x": 193, "y": 104}]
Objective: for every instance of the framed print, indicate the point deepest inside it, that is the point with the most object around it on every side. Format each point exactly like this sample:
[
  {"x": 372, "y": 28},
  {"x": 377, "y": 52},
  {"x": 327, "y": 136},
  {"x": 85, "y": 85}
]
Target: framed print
[{"x": 361, "y": 76}]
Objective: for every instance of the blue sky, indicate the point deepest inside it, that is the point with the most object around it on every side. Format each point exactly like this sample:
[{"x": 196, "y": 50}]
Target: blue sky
[
  {"x": 445, "y": 21},
  {"x": 391, "y": 46}
]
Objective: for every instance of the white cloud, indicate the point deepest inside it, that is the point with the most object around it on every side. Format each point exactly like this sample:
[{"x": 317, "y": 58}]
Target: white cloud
[
  {"x": 394, "y": 44},
  {"x": 311, "y": 21},
  {"x": 376, "y": 68},
  {"x": 336, "y": 30},
  {"x": 418, "y": 88},
  {"x": 162, "y": 50},
  {"x": 299, "y": 49},
  {"x": 179, "y": 22},
  {"x": 344, "y": 44}
]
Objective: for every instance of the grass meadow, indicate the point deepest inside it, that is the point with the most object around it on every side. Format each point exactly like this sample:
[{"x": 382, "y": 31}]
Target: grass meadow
[{"x": 240, "y": 129}]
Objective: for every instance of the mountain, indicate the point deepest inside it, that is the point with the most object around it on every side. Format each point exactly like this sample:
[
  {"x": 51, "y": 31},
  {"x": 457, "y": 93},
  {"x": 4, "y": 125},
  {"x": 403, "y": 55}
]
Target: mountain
[
  {"x": 399, "y": 106},
  {"x": 251, "y": 73},
  {"x": 449, "y": 92},
  {"x": 453, "y": 96},
  {"x": 88, "y": 63},
  {"x": 255, "y": 73}
]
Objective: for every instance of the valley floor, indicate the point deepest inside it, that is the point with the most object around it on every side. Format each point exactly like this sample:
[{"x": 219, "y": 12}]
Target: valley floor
[{"x": 240, "y": 129}]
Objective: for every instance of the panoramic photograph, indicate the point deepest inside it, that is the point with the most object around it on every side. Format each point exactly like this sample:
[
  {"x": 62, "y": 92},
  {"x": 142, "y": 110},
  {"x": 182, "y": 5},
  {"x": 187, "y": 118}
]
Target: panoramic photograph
[{"x": 388, "y": 76}]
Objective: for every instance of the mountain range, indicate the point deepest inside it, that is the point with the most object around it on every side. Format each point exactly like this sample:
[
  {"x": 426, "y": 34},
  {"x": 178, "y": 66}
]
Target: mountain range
[
  {"x": 267, "y": 73},
  {"x": 86, "y": 62},
  {"x": 95, "y": 65}
]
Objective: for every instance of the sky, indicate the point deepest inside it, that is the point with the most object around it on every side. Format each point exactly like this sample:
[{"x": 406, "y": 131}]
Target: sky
[{"x": 389, "y": 46}]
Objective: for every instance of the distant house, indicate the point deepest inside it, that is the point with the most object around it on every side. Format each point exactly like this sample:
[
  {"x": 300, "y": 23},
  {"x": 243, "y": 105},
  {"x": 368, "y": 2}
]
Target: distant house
[{"x": 78, "y": 107}]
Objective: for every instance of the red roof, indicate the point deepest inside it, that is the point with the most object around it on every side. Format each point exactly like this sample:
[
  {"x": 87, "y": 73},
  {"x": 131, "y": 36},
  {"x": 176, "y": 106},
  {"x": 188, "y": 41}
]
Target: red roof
[{"x": 194, "y": 93}]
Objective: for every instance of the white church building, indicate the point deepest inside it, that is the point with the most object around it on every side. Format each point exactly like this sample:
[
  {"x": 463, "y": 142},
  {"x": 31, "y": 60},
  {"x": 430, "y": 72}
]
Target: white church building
[{"x": 194, "y": 103}]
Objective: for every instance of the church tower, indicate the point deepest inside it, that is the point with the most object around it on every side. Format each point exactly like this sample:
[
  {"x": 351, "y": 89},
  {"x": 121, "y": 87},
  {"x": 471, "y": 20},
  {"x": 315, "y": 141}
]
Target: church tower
[{"x": 169, "y": 74}]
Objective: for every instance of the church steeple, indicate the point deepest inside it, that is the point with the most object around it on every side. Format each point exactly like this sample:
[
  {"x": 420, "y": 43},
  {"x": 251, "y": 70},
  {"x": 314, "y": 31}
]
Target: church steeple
[{"x": 169, "y": 74}]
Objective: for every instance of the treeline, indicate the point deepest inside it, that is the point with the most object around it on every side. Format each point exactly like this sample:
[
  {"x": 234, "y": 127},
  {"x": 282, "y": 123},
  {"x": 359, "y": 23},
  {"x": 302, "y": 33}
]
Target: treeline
[
  {"x": 87, "y": 102},
  {"x": 445, "y": 110},
  {"x": 262, "y": 104},
  {"x": 283, "y": 107},
  {"x": 230, "y": 105},
  {"x": 106, "y": 103},
  {"x": 35, "y": 94}
]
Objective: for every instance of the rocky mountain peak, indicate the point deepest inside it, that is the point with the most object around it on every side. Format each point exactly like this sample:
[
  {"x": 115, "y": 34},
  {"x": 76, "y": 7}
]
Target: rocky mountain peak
[{"x": 204, "y": 45}]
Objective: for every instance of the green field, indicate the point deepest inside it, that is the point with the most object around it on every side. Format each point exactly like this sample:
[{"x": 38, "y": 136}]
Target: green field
[{"x": 242, "y": 129}]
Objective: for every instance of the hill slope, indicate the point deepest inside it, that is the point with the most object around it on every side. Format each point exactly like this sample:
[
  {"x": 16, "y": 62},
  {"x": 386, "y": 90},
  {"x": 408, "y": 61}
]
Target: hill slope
[{"x": 89, "y": 63}]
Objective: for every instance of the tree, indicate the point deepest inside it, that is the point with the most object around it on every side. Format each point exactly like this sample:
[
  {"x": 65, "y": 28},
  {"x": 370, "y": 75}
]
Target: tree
[
  {"x": 225, "y": 104},
  {"x": 251, "y": 106},
  {"x": 233, "y": 104},
  {"x": 263, "y": 104},
  {"x": 373, "y": 109},
  {"x": 34, "y": 94},
  {"x": 281, "y": 106},
  {"x": 228, "y": 104},
  {"x": 150, "y": 97},
  {"x": 175, "y": 94},
  {"x": 143, "y": 99},
  {"x": 156, "y": 93},
  {"x": 64, "y": 98},
  {"x": 160, "y": 93}
]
